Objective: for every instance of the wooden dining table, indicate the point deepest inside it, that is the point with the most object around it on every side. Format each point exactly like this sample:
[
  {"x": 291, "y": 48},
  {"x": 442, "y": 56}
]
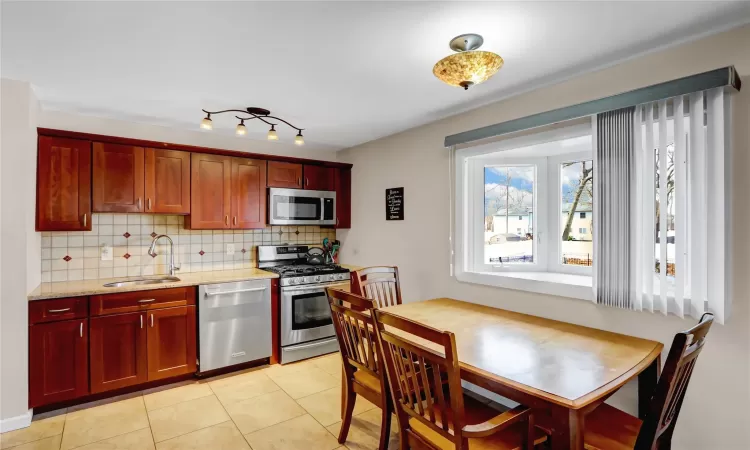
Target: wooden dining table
[{"x": 561, "y": 370}]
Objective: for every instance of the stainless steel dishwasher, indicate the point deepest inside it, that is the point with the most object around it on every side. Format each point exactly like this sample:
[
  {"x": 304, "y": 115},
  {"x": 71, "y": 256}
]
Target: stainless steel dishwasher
[{"x": 234, "y": 323}]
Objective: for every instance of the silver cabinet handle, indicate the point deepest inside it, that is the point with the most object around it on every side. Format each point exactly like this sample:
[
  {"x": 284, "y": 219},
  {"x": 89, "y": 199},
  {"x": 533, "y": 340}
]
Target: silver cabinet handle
[
  {"x": 84, "y": 219},
  {"x": 235, "y": 220},
  {"x": 208, "y": 294},
  {"x": 140, "y": 316},
  {"x": 149, "y": 203},
  {"x": 58, "y": 310},
  {"x": 152, "y": 321},
  {"x": 307, "y": 181},
  {"x": 147, "y": 300},
  {"x": 80, "y": 330},
  {"x": 226, "y": 220},
  {"x": 139, "y": 203}
]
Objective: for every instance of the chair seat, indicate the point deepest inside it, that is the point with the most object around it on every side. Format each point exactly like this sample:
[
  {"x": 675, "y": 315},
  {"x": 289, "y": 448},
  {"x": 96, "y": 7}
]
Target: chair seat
[
  {"x": 367, "y": 380},
  {"x": 476, "y": 412},
  {"x": 608, "y": 428}
]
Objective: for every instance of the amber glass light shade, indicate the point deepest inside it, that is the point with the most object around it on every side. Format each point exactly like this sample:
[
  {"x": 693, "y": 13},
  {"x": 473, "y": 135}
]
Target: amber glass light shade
[
  {"x": 272, "y": 136},
  {"x": 466, "y": 69}
]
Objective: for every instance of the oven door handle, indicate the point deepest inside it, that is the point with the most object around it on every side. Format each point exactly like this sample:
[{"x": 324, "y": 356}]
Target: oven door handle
[
  {"x": 313, "y": 345},
  {"x": 313, "y": 288}
]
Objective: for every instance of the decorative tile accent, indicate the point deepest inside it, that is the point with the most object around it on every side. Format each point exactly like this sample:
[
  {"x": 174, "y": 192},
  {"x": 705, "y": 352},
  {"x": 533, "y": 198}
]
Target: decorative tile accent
[
  {"x": 131, "y": 235},
  {"x": 67, "y": 258}
]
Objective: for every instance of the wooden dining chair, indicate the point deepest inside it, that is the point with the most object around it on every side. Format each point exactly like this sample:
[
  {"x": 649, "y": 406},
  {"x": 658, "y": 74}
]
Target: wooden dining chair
[
  {"x": 433, "y": 412},
  {"x": 364, "y": 373},
  {"x": 608, "y": 428},
  {"x": 380, "y": 284}
]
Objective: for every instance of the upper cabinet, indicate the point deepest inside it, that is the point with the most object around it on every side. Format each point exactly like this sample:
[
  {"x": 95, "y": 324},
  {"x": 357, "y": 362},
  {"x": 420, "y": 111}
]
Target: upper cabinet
[
  {"x": 284, "y": 175},
  {"x": 167, "y": 181},
  {"x": 118, "y": 178},
  {"x": 211, "y": 188},
  {"x": 319, "y": 178},
  {"x": 343, "y": 187},
  {"x": 63, "y": 201},
  {"x": 135, "y": 179},
  {"x": 248, "y": 193}
]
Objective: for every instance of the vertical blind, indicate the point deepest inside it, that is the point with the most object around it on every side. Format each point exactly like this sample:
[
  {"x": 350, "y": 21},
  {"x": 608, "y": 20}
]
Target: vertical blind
[{"x": 682, "y": 176}]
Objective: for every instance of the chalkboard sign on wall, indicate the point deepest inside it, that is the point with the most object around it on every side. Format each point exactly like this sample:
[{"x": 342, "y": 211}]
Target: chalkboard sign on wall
[{"x": 394, "y": 204}]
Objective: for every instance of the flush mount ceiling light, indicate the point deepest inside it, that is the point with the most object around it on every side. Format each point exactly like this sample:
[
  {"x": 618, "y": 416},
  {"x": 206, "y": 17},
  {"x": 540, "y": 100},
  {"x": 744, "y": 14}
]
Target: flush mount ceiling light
[
  {"x": 255, "y": 113},
  {"x": 469, "y": 66}
]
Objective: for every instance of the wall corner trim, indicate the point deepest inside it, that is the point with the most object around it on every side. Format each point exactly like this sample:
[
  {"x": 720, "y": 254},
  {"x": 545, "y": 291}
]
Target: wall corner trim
[{"x": 15, "y": 423}]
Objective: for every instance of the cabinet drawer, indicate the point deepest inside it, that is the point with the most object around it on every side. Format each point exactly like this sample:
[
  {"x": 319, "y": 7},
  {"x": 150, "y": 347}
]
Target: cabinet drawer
[
  {"x": 141, "y": 300},
  {"x": 57, "y": 309}
]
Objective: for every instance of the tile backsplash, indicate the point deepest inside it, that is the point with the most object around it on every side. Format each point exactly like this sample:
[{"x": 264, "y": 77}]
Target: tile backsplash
[{"x": 76, "y": 255}]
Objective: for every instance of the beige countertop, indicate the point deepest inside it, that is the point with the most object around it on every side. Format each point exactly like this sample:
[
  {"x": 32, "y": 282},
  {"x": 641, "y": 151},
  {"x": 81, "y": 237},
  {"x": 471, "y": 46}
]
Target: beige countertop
[{"x": 95, "y": 287}]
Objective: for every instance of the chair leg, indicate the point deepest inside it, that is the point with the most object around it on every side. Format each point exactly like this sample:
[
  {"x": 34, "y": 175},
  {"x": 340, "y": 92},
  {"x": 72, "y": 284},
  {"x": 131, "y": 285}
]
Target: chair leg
[
  {"x": 348, "y": 398},
  {"x": 385, "y": 428},
  {"x": 530, "y": 434}
]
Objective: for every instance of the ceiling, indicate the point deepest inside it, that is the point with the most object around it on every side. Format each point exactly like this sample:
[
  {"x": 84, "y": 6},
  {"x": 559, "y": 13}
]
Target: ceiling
[{"x": 347, "y": 72}]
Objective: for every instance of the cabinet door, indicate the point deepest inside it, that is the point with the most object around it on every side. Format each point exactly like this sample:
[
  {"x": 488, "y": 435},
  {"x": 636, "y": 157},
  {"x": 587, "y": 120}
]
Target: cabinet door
[
  {"x": 210, "y": 192},
  {"x": 284, "y": 175},
  {"x": 171, "y": 342},
  {"x": 118, "y": 178},
  {"x": 248, "y": 193},
  {"x": 58, "y": 361},
  {"x": 343, "y": 185},
  {"x": 118, "y": 351},
  {"x": 319, "y": 178},
  {"x": 167, "y": 181},
  {"x": 63, "y": 196}
]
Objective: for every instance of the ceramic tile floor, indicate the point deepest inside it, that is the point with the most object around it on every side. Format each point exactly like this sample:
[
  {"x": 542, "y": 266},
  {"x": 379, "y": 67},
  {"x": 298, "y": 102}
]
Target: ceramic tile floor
[{"x": 296, "y": 406}]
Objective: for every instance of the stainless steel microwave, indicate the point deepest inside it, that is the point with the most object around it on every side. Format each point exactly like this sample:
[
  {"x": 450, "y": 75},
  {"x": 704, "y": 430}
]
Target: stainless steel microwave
[{"x": 301, "y": 207}]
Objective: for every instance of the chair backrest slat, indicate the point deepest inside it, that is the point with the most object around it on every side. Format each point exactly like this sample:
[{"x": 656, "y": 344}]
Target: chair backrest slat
[
  {"x": 380, "y": 284},
  {"x": 355, "y": 331},
  {"x": 418, "y": 375},
  {"x": 669, "y": 394}
]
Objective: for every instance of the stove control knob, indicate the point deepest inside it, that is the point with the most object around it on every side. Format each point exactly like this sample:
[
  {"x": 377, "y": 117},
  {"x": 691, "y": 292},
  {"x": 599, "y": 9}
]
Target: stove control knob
[{"x": 317, "y": 278}]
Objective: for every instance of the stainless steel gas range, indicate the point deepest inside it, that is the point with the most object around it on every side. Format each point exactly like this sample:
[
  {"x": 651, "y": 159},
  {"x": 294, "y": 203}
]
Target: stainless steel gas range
[{"x": 306, "y": 325}]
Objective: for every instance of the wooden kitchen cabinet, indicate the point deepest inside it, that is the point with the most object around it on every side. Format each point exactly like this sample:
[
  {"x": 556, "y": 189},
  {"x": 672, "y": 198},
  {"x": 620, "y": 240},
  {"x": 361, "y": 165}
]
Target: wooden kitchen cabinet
[
  {"x": 167, "y": 181},
  {"x": 248, "y": 193},
  {"x": 210, "y": 192},
  {"x": 343, "y": 187},
  {"x": 171, "y": 342},
  {"x": 63, "y": 196},
  {"x": 284, "y": 175},
  {"x": 319, "y": 178},
  {"x": 118, "y": 178},
  {"x": 58, "y": 361},
  {"x": 118, "y": 351}
]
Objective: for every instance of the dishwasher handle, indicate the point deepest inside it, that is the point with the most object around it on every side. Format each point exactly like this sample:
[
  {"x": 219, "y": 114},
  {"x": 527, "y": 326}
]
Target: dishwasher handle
[{"x": 238, "y": 291}]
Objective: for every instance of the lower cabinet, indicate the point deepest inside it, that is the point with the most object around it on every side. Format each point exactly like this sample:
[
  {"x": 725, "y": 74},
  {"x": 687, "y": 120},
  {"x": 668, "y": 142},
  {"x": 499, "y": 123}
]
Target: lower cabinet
[
  {"x": 58, "y": 361},
  {"x": 118, "y": 351},
  {"x": 130, "y": 349},
  {"x": 171, "y": 342}
]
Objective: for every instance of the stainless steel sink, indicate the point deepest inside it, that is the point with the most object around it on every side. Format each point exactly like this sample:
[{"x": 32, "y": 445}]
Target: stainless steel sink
[{"x": 140, "y": 281}]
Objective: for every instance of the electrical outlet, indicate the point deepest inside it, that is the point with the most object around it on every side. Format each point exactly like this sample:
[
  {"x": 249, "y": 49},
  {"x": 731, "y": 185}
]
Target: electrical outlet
[
  {"x": 230, "y": 249},
  {"x": 106, "y": 253}
]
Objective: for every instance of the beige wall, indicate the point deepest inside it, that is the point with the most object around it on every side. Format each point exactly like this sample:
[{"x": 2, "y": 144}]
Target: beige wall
[
  {"x": 20, "y": 259},
  {"x": 716, "y": 412}
]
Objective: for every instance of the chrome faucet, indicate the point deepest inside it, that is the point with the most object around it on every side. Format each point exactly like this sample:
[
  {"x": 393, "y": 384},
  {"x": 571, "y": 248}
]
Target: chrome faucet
[{"x": 152, "y": 252}]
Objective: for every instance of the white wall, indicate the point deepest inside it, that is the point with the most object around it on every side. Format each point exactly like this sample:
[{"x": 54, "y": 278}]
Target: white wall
[
  {"x": 716, "y": 412},
  {"x": 216, "y": 139},
  {"x": 20, "y": 259}
]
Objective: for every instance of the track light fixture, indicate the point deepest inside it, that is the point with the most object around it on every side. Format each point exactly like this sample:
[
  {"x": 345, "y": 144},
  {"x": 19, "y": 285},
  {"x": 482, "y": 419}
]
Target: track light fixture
[{"x": 261, "y": 114}]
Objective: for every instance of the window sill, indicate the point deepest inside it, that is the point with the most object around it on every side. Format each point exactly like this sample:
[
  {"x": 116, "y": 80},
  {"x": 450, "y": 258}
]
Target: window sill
[{"x": 549, "y": 283}]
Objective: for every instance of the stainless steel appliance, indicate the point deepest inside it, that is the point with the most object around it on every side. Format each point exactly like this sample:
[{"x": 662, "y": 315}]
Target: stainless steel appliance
[
  {"x": 306, "y": 325},
  {"x": 301, "y": 207},
  {"x": 234, "y": 323}
]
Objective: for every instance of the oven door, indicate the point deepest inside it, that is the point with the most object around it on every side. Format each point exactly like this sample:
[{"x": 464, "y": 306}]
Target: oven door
[
  {"x": 301, "y": 207},
  {"x": 305, "y": 314}
]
